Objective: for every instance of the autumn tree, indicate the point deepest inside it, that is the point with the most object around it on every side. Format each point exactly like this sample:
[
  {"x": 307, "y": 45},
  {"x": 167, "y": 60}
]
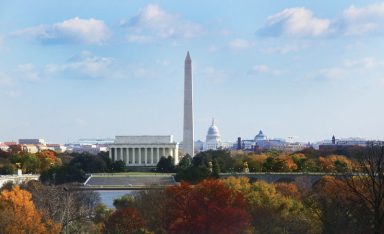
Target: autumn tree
[
  {"x": 273, "y": 211},
  {"x": 124, "y": 221},
  {"x": 208, "y": 207},
  {"x": 338, "y": 210},
  {"x": 19, "y": 215},
  {"x": 369, "y": 184},
  {"x": 73, "y": 209},
  {"x": 48, "y": 159}
]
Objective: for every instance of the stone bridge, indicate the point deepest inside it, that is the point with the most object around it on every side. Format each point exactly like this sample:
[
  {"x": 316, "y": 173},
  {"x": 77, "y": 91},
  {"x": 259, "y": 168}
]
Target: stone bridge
[
  {"x": 273, "y": 177},
  {"x": 17, "y": 179}
]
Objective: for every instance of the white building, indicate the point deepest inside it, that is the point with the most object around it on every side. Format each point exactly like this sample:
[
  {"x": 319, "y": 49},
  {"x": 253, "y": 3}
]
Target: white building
[
  {"x": 32, "y": 142},
  {"x": 4, "y": 147},
  {"x": 59, "y": 148},
  {"x": 213, "y": 139},
  {"x": 143, "y": 150}
]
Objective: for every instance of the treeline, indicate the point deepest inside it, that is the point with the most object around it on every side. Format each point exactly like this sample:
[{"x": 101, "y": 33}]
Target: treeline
[
  {"x": 235, "y": 205},
  {"x": 57, "y": 168},
  {"x": 211, "y": 163},
  {"x": 75, "y": 167}
]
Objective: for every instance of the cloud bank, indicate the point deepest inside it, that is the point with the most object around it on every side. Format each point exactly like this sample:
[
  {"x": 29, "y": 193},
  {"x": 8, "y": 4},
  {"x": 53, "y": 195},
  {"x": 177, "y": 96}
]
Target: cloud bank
[
  {"x": 303, "y": 23},
  {"x": 153, "y": 22},
  {"x": 75, "y": 30}
]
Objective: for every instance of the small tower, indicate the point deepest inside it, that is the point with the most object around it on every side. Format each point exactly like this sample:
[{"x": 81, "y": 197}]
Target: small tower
[
  {"x": 239, "y": 146},
  {"x": 333, "y": 140}
]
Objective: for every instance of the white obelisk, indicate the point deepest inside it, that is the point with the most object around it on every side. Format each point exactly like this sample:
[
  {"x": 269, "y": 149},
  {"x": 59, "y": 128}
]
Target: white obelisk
[{"x": 188, "y": 138}]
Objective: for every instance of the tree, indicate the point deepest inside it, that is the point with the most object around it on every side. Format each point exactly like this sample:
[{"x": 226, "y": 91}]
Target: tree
[
  {"x": 7, "y": 169},
  {"x": 48, "y": 159},
  {"x": 193, "y": 174},
  {"x": 117, "y": 166},
  {"x": 272, "y": 211},
  {"x": 62, "y": 174},
  {"x": 124, "y": 221},
  {"x": 19, "y": 215},
  {"x": 73, "y": 209},
  {"x": 215, "y": 169},
  {"x": 369, "y": 185},
  {"x": 123, "y": 202},
  {"x": 89, "y": 163},
  {"x": 185, "y": 162},
  {"x": 102, "y": 214},
  {"x": 165, "y": 164},
  {"x": 209, "y": 207},
  {"x": 338, "y": 210}
]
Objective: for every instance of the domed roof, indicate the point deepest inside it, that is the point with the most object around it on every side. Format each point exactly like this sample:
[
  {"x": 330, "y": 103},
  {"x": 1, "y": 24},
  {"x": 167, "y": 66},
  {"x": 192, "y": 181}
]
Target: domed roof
[
  {"x": 260, "y": 136},
  {"x": 213, "y": 133}
]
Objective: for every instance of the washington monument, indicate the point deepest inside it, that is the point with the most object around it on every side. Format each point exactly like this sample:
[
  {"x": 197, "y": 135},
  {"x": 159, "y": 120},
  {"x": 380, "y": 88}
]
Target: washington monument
[{"x": 188, "y": 139}]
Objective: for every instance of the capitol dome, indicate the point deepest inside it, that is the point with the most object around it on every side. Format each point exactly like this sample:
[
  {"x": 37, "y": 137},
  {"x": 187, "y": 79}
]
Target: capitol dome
[
  {"x": 260, "y": 136},
  {"x": 213, "y": 135}
]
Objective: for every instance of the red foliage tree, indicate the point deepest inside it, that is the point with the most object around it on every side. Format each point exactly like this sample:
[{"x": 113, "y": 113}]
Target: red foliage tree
[
  {"x": 209, "y": 207},
  {"x": 124, "y": 221}
]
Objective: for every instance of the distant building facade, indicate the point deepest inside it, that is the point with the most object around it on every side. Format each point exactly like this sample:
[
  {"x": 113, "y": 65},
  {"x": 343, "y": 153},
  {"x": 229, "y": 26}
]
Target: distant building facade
[
  {"x": 143, "y": 150},
  {"x": 32, "y": 142},
  {"x": 262, "y": 142},
  {"x": 213, "y": 139}
]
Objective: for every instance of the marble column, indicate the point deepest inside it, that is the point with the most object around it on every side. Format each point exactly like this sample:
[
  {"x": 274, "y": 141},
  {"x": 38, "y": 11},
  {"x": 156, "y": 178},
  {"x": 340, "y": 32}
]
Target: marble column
[
  {"x": 158, "y": 155},
  {"x": 146, "y": 155},
  {"x": 152, "y": 155}
]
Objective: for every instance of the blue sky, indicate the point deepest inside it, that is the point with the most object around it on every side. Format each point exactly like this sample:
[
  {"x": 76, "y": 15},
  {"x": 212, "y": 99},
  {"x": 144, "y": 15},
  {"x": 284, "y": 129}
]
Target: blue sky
[{"x": 76, "y": 69}]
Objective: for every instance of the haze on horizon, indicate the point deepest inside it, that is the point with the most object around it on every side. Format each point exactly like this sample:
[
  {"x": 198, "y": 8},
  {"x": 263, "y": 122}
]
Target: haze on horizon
[{"x": 71, "y": 70}]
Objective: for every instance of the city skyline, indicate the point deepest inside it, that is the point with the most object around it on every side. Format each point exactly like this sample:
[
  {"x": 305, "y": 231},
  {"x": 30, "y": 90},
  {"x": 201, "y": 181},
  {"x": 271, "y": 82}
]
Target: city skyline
[{"x": 309, "y": 70}]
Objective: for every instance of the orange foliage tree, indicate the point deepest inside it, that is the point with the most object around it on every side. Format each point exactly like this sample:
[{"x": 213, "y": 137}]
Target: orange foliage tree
[
  {"x": 124, "y": 221},
  {"x": 209, "y": 207},
  {"x": 19, "y": 215},
  {"x": 335, "y": 163},
  {"x": 48, "y": 158}
]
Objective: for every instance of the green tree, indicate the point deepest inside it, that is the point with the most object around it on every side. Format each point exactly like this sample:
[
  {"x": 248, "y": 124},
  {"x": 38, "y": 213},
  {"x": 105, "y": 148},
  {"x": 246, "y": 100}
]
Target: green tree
[
  {"x": 126, "y": 201},
  {"x": 185, "y": 162},
  {"x": 215, "y": 169},
  {"x": 62, "y": 174},
  {"x": 118, "y": 166},
  {"x": 166, "y": 164}
]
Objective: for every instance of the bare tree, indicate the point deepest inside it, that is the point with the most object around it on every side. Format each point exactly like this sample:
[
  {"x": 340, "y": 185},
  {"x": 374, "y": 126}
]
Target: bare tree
[
  {"x": 74, "y": 209},
  {"x": 368, "y": 185}
]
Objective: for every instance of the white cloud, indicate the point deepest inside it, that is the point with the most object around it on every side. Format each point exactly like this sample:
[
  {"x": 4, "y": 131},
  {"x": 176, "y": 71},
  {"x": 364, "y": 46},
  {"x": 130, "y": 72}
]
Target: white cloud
[
  {"x": 86, "y": 64},
  {"x": 28, "y": 72},
  {"x": 260, "y": 68},
  {"x": 213, "y": 74},
  {"x": 152, "y": 21},
  {"x": 240, "y": 44},
  {"x": 361, "y": 20},
  {"x": 284, "y": 49},
  {"x": 139, "y": 38},
  {"x": 368, "y": 63},
  {"x": 331, "y": 73},
  {"x": 89, "y": 31},
  {"x": 264, "y": 69},
  {"x": 301, "y": 22},
  {"x": 295, "y": 22}
]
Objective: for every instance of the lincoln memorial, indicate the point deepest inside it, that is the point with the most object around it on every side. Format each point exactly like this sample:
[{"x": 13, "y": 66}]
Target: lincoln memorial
[{"x": 143, "y": 150}]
